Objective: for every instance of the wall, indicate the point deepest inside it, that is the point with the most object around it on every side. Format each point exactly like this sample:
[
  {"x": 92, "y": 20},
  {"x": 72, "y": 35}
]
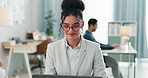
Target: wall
[
  {"x": 7, "y": 32},
  {"x": 102, "y": 10}
]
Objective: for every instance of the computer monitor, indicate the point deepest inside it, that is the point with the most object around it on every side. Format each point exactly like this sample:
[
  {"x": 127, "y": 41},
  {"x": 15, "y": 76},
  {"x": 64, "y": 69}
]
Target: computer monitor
[{"x": 59, "y": 76}]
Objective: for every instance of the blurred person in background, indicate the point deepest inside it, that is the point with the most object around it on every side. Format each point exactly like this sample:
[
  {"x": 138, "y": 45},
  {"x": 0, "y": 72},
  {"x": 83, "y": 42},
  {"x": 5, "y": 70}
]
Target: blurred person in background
[{"x": 109, "y": 61}]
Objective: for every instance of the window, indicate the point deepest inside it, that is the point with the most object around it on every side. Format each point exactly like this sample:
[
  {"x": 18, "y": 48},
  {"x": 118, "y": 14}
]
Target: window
[
  {"x": 102, "y": 10},
  {"x": 18, "y": 9}
]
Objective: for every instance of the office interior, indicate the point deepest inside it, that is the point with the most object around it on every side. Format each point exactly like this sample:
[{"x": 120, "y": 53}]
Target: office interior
[{"x": 29, "y": 16}]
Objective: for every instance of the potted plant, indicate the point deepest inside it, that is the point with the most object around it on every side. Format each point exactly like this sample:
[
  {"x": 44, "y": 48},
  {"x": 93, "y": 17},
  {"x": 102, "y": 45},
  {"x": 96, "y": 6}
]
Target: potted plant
[{"x": 49, "y": 24}]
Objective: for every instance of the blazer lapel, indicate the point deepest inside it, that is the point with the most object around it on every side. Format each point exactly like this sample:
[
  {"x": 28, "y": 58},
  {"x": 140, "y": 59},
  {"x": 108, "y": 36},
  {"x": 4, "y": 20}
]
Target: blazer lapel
[
  {"x": 64, "y": 58},
  {"x": 82, "y": 54}
]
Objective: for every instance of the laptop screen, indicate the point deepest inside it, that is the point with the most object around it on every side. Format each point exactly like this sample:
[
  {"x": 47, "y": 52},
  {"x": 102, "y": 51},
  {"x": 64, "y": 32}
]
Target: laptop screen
[{"x": 59, "y": 76}]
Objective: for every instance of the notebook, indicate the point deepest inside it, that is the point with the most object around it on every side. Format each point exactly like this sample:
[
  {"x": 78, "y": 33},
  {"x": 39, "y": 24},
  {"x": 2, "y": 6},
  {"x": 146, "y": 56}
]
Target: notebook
[{"x": 59, "y": 76}]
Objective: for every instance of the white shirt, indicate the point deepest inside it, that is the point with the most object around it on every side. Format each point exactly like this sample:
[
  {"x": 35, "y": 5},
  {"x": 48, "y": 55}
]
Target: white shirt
[{"x": 73, "y": 56}]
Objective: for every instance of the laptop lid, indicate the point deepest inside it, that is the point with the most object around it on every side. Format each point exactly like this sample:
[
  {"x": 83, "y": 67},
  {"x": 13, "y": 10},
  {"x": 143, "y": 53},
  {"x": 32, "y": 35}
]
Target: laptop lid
[{"x": 59, "y": 76}]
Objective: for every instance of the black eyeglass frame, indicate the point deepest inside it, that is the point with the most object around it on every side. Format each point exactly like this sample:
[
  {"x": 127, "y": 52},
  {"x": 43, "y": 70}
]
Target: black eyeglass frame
[{"x": 74, "y": 28}]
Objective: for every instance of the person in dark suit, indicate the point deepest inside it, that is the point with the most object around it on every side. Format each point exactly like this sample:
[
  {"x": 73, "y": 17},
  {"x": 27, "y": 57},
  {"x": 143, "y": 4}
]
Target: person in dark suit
[{"x": 109, "y": 61}]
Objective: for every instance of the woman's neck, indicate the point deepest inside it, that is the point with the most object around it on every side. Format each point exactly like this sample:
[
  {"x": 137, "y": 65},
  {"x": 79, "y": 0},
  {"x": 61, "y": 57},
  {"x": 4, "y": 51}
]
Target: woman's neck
[{"x": 74, "y": 43}]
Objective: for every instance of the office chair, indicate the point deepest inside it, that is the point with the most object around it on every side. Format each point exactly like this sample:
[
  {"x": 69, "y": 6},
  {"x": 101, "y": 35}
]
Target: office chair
[{"x": 40, "y": 53}]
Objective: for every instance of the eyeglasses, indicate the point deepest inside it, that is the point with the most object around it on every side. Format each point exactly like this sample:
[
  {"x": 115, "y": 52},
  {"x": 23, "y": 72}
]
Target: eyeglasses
[{"x": 75, "y": 27}]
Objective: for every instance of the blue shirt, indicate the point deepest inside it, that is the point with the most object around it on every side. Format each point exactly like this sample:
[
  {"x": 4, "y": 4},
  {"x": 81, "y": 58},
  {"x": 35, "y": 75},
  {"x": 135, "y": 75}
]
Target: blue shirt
[{"x": 89, "y": 36}]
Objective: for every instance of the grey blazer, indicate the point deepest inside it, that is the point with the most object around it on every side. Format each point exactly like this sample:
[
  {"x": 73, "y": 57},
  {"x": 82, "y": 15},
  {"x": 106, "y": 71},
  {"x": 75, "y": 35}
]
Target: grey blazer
[{"x": 90, "y": 59}]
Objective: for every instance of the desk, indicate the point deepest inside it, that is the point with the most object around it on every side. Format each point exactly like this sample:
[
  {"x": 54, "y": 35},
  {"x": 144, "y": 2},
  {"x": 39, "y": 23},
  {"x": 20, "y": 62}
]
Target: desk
[
  {"x": 24, "y": 49},
  {"x": 130, "y": 51}
]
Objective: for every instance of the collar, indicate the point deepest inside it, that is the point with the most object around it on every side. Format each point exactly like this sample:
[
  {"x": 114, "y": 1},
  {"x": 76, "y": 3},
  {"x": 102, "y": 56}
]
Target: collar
[
  {"x": 66, "y": 43},
  {"x": 88, "y": 32}
]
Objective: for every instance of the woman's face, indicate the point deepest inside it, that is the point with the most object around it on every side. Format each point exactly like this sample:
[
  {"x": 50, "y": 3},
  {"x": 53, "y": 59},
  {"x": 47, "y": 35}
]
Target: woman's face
[{"x": 71, "y": 27}]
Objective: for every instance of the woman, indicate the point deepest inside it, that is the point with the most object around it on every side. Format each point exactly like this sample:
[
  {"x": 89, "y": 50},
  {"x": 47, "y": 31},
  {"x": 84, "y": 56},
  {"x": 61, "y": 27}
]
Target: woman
[{"x": 74, "y": 55}]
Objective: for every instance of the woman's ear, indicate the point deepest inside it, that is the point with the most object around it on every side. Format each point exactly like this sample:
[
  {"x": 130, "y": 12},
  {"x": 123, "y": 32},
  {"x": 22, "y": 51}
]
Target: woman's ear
[{"x": 82, "y": 24}]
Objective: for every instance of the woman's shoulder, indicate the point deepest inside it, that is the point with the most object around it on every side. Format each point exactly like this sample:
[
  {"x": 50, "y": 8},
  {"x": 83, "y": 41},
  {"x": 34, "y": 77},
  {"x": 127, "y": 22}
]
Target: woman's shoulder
[{"x": 55, "y": 43}]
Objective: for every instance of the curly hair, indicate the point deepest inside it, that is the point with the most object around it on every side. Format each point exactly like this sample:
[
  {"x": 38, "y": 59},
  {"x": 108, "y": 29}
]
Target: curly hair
[{"x": 72, "y": 7}]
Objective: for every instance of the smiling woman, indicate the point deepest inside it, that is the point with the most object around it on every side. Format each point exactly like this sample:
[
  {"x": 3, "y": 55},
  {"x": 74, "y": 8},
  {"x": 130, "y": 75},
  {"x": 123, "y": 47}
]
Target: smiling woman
[{"x": 74, "y": 55}]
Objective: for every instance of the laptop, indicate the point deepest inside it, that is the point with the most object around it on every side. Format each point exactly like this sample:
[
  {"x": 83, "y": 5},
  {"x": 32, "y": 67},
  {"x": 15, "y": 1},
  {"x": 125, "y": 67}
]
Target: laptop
[{"x": 59, "y": 76}]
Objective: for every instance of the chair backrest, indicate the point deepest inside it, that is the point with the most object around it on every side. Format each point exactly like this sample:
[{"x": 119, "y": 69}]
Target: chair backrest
[{"x": 41, "y": 48}]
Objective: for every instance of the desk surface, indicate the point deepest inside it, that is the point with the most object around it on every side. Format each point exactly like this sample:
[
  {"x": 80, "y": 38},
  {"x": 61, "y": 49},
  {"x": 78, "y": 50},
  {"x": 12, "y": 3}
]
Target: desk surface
[
  {"x": 21, "y": 45},
  {"x": 131, "y": 50},
  {"x": 20, "y": 48}
]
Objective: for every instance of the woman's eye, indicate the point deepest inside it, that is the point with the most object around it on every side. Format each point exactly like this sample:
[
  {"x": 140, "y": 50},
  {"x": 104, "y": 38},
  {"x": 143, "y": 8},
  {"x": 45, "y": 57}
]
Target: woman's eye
[
  {"x": 75, "y": 26},
  {"x": 66, "y": 26}
]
